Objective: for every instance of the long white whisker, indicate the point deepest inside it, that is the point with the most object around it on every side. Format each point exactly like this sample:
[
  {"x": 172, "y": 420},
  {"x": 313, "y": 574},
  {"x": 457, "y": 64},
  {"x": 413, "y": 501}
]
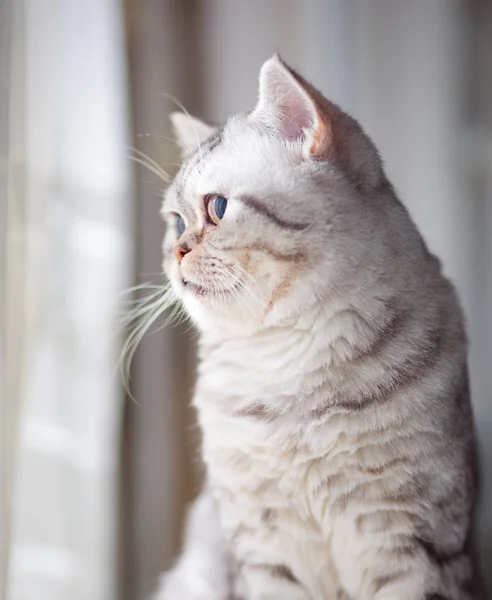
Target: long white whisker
[
  {"x": 182, "y": 107},
  {"x": 235, "y": 285},
  {"x": 237, "y": 271},
  {"x": 151, "y": 161},
  {"x": 240, "y": 275},
  {"x": 157, "y": 135},
  {"x": 243, "y": 284},
  {"x": 150, "y": 168},
  {"x": 151, "y": 165},
  {"x": 142, "y": 317}
]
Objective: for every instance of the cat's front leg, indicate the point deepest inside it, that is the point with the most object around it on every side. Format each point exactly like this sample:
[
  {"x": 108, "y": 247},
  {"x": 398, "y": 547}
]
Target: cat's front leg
[
  {"x": 387, "y": 563},
  {"x": 203, "y": 570}
]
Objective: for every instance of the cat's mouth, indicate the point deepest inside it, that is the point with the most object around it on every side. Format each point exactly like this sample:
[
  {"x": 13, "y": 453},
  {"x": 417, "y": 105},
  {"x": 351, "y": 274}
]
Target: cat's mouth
[
  {"x": 194, "y": 288},
  {"x": 199, "y": 290}
]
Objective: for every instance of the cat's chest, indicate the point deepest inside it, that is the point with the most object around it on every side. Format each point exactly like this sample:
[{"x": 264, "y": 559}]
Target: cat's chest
[
  {"x": 261, "y": 448},
  {"x": 257, "y": 461},
  {"x": 257, "y": 376},
  {"x": 249, "y": 400},
  {"x": 236, "y": 372},
  {"x": 272, "y": 495},
  {"x": 269, "y": 471}
]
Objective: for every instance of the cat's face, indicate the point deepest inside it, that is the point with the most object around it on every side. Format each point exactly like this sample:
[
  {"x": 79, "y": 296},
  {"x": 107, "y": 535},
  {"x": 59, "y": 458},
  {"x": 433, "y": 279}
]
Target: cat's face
[{"x": 267, "y": 214}]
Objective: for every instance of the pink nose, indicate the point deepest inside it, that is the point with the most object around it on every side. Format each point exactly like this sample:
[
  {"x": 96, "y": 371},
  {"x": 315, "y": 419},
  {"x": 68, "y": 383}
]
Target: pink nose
[{"x": 180, "y": 250}]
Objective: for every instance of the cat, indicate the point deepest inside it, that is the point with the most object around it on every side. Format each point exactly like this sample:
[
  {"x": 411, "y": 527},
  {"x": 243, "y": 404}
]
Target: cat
[{"x": 332, "y": 387}]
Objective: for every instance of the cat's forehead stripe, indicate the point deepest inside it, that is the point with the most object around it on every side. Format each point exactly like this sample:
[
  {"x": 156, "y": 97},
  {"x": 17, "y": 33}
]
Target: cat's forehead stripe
[
  {"x": 260, "y": 208},
  {"x": 265, "y": 248}
]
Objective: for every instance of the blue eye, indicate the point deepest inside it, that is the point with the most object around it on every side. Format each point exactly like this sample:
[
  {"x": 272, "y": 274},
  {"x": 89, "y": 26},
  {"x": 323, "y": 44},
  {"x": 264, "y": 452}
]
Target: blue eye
[
  {"x": 216, "y": 207},
  {"x": 180, "y": 225}
]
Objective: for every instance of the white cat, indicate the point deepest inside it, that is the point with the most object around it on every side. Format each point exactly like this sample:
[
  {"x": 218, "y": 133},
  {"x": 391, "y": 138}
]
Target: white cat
[{"x": 332, "y": 389}]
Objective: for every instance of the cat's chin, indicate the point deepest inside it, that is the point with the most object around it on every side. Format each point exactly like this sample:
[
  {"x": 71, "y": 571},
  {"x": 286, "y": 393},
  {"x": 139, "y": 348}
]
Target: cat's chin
[{"x": 211, "y": 312}]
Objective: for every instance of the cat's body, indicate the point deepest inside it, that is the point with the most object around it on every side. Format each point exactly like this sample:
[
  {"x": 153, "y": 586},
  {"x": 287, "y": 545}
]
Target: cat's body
[{"x": 332, "y": 389}]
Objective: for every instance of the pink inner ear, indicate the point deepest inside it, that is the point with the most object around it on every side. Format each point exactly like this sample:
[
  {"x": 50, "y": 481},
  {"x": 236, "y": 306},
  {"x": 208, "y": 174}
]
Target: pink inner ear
[
  {"x": 295, "y": 117},
  {"x": 285, "y": 103}
]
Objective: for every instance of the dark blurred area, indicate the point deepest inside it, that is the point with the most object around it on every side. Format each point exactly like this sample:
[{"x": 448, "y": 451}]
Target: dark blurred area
[{"x": 94, "y": 483}]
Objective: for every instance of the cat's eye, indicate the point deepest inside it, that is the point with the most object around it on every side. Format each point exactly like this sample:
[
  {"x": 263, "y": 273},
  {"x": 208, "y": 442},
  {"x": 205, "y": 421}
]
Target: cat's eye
[
  {"x": 180, "y": 225},
  {"x": 216, "y": 207}
]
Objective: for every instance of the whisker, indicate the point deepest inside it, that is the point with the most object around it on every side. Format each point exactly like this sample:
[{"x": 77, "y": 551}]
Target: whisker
[
  {"x": 157, "y": 135},
  {"x": 239, "y": 274},
  {"x": 150, "y": 164},
  {"x": 155, "y": 288},
  {"x": 140, "y": 319},
  {"x": 147, "y": 157},
  {"x": 237, "y": 271},
  {"x": 231, "y": 281},
  {"x": 242, "y": 283},
  {"x": 154, "y": 170},
  {"x": 182, "y": 107}
]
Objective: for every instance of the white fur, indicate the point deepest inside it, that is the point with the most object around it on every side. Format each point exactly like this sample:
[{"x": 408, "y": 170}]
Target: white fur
[{"x": 315, "y": 490}]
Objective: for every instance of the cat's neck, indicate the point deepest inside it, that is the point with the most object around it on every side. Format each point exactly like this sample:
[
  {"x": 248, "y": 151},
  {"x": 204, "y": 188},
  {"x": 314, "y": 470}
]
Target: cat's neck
[
  {"x": 265, "y": 335},
  {"x": 323, "y": 319}
]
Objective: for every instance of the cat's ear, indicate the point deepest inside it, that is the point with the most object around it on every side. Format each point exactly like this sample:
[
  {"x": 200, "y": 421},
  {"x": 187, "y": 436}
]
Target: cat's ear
[
  {"x": 290, "y": 104},
  {"x": 190, "y": 132}
]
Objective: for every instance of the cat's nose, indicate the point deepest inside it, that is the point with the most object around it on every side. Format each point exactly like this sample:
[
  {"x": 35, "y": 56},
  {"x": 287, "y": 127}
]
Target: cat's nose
[{"x": 180, "y": 250}]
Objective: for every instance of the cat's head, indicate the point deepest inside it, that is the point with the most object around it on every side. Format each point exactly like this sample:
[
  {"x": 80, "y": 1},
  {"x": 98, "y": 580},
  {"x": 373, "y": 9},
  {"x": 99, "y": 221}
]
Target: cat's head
[{"x": 273, "y": 211}]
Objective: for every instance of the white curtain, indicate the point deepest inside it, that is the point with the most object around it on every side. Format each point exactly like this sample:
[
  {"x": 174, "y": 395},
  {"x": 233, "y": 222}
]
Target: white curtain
[
  {"x": 67, "y": 256},
  {"x": 7, "y": 376}
]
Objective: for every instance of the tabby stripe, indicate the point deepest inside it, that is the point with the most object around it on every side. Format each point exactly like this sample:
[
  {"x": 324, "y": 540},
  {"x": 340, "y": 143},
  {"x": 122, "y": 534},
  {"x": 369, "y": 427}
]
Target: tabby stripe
[
  {"x": 385, "y": 335},
  {"x": 277, "y": 571},
  {"x": 381, "y": 582},
  {"x": 215, "y": 141},
  {"x": 437, "y": 556},
  {"x": 257, "y": 409},
  {"x": 295, "y": 257},
  {"x": 280, "y": 256},
  {"x": 412, "y": 368},
  {"x": 380, "y": 469},
  {"x": 263, "y": 210}
]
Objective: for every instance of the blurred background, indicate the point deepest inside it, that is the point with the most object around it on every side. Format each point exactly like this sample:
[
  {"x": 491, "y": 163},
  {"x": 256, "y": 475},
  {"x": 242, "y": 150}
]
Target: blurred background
[{"x": 93, "y": 484}]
